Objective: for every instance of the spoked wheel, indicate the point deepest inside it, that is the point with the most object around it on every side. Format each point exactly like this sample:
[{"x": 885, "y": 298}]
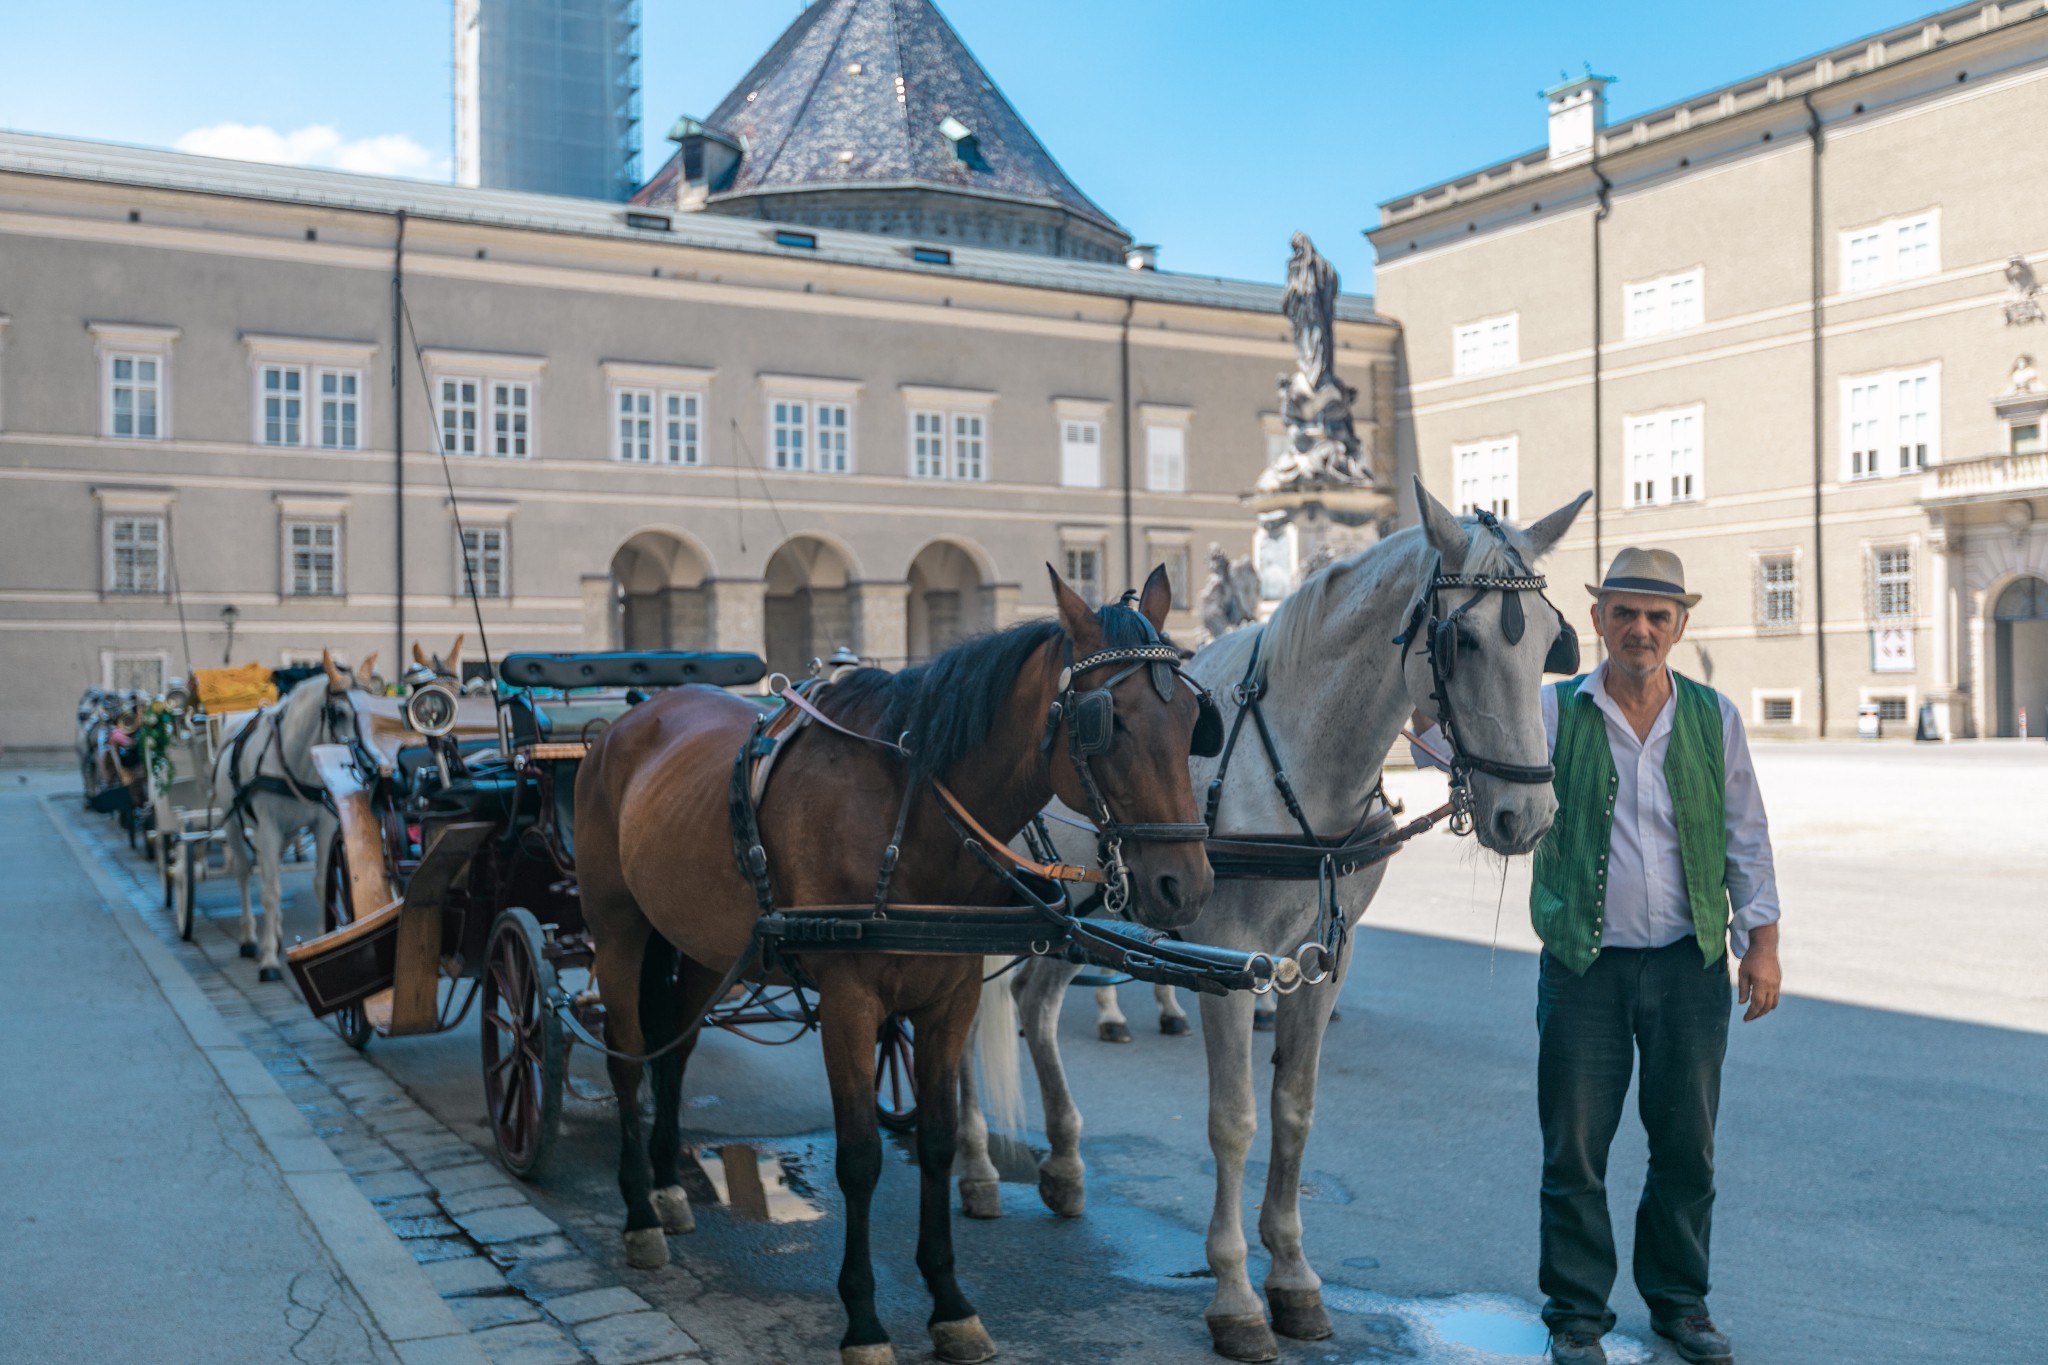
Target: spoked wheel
[
  {"x": 525, "y": 1049},
  {"x": 352, "y": 1022},
  {"x": 167, "y": 867},
  {"x": 185, "y": 887},
  {"x": 895, "y": 1077}
]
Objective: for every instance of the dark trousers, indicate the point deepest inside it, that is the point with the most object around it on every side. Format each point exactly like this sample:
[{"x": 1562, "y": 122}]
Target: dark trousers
[{"x": 1671, "y": 1008}]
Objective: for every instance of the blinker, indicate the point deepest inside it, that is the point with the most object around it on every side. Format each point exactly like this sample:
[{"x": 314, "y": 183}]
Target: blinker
[
  {"x": 1094, "y": 721},
  {"x": 1563, "y": 657},
  {"x": 1162, "y": 681},
  {"x": 1208, "y": 740}
]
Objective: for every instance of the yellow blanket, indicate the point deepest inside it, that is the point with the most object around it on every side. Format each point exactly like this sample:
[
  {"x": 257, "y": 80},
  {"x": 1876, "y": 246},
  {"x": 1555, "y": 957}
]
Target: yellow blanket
[{"x": 223, "y": 690}]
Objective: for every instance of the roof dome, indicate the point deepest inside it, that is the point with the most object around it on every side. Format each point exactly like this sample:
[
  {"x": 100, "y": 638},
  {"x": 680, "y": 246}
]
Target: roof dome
[{"x": 872, "y": 115}]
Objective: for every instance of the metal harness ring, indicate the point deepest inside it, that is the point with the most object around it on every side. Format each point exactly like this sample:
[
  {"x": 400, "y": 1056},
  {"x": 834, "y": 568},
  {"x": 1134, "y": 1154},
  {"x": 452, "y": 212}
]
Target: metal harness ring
[
  {"x": 1265, "y": 986},
  {"x": 1324, "y": 962}
]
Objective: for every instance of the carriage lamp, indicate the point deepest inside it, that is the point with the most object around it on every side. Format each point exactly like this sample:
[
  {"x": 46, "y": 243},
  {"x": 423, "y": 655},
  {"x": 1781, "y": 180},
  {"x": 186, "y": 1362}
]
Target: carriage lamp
[
  {"x": 431, "y": 709},
  {"x": 229, "y": 614}
]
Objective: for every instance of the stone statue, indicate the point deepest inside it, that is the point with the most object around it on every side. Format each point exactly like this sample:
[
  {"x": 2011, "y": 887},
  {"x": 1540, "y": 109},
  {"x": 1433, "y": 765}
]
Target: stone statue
[
  {"x": 2024, "y": 378},
  {"x": 1322, "y": 445},
  {"x": 2021, "y": 306},
  {"x": 1231, "y": 596}
]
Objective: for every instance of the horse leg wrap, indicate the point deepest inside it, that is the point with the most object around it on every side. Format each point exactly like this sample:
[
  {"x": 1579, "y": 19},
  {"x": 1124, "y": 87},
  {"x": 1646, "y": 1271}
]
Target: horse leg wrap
[
  {"x": 1299, "y": 1313},
  {"x": 672, "y": 1205},
  {"x": 881, "y": 1353},
  {"x": 981, "y": 1198},
  {"x": 963, "y": 1343},
  {"x": 646, "y": 1248},
  {"x": 1244, "y": 1338}
]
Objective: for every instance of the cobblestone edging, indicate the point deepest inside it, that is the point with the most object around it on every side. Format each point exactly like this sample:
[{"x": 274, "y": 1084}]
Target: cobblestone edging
[{"x": 514, "y": 1279}]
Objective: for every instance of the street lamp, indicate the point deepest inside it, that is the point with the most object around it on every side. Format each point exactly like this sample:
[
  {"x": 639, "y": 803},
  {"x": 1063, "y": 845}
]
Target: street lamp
[{"x": 229, "y": 614}]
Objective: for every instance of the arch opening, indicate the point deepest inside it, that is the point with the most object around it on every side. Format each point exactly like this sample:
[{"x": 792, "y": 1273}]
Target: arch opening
[
  {"x": 808, "y": 609},
  {"x": 659, "y": 594},
  {"x": 2019, "y": 620},
  {"x": 950, "y": 599}
]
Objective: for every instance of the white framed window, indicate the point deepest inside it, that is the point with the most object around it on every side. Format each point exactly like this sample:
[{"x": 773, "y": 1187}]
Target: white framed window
[
  {"x": 338, "y": 394},
  {"x": 511, "y": 419},
  {"x": 1774, "y": 705},
  {"x": 1777, "y": 593},
  {"x": 1891, "y": 252},
  {"x": 135, "y": 559},
  {"x": 1894, "y": 705},
  {"x": 135, "y": 670},
  {"x": 135, "y": 379},
  {"x": 312, "y": 551},
  {"x": 1664, "y": 456},
  {"x": 1171, "y": 550},
  {"x": 1083, "y": 569},
  {"x": 1166, "y": 459},
  {"x": 927, "y": 445},
  {"x": 682, "y": 426},
  {"x": 486, "y": 403},
  {"x": 948, "y": 432},
  {"x": 1081, "y": 453},
  {"x": 1486, "y": 475},
  {"x": 1669, "y": 303},
  {"x": 1486, "y": 345},
  {"x": 460, "y": 401},
  {"x": 134, "y": 396},
  {"x": 810, "y": 423},
  {"x": 1891, "y": 422},
  {"x": 284, "y": 404},
  {"x": 1891, "y": 583},
  {"x": 633, "y": 441},
  {"x": 486, "y": 560}
]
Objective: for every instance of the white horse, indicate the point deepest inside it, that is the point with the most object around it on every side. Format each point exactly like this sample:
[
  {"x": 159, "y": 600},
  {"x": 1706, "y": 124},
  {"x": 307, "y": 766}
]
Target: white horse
[
  {"x": 265, "y": 784},
  {"x": 1337, "y": 690}
]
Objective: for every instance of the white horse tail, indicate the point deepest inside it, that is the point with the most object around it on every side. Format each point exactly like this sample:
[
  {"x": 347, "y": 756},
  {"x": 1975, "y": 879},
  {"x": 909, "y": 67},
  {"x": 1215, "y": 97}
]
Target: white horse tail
[{"x": 996, "y": 1066}]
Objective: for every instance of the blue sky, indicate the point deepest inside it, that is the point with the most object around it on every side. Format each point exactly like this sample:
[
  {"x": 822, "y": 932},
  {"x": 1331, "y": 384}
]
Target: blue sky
[{"x": 1213, "y": 127}]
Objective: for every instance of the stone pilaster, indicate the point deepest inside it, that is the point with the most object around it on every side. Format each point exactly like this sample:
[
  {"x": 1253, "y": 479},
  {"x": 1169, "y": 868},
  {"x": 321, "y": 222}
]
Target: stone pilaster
[
  {"x": 881, "y": 622},
  {"x": 600, "y": 627},
  {"x": 738, "y": 615},
  {"x": 1002, "y": 604}
]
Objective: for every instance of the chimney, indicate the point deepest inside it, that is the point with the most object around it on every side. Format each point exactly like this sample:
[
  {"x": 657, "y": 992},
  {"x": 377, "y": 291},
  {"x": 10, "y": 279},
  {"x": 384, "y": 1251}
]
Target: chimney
[
  {"x": 1578, "y": 111},
  {"x": 1142, "y": 256}
]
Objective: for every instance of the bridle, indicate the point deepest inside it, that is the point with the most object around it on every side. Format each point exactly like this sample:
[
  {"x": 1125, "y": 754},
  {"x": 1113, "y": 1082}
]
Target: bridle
[
  {"x": 1439, "y": 633},
  {"x": 1090, "y": 719}
]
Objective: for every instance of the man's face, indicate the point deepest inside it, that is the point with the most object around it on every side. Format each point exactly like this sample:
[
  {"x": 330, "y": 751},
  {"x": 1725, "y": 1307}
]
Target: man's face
[{"x": 1638, "y": 630}]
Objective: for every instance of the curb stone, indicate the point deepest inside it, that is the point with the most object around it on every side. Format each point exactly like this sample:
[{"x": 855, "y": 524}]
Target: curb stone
[{"x": 511, "y": 1288}]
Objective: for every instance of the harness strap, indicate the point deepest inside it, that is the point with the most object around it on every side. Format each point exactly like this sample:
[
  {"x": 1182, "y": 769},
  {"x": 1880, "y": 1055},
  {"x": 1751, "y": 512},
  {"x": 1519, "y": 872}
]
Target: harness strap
[{"x": 1051, "y": 871}]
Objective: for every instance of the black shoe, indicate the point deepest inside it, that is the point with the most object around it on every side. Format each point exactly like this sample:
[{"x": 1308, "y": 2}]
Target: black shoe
[
  {"x": 1577, "y": 1348},
  {"x": 1697, "y": 1339}
]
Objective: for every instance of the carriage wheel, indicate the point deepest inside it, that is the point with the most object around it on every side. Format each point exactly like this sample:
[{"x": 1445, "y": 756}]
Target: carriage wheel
[
  {"x": 895, "y": 1076},
  {"x": 185, "y": 888},
  {"x": 352, "y": 1022},
  {"x": 525, "y": 1049},
  {"x": 167, "y": 867}
]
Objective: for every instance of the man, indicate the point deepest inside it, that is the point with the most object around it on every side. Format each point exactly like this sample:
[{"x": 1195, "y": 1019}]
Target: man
[{"x": 1658, "y": 863}]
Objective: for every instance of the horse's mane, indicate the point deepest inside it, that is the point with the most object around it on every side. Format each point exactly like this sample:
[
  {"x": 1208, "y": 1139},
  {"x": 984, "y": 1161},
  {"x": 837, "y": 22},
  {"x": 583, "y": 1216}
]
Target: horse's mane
[
  {"x": 1361, "y": 575},
  {"x": 949, "y": 705}
]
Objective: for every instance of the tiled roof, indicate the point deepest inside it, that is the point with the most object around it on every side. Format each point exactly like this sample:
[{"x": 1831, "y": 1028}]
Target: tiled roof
[{"x": 854, "y": 94}]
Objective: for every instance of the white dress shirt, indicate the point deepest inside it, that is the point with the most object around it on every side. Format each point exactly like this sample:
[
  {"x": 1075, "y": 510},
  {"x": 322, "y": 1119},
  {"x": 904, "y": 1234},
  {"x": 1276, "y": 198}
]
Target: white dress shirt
[{"x": 1647, "y": 905}]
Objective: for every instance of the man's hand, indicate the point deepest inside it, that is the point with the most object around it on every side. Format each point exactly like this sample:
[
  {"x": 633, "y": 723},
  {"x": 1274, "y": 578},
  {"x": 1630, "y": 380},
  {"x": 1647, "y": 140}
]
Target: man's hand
[{"x": 1756, "y": 983}]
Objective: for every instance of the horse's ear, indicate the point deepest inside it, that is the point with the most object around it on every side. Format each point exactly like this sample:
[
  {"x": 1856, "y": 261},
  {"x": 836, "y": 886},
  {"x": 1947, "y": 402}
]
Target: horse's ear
[
  {"x": 1077, "y": 618},
  {"x": 1446, "y": 536},
  {"x": 1539, "y": 539},
  {"x": 366, "y": 670},
  {"x": 337, "y": 681},
  {"x": 455, "y": 657},
  {"x": 419, "y": 656},
  {"x": 1157, "y": 599}
]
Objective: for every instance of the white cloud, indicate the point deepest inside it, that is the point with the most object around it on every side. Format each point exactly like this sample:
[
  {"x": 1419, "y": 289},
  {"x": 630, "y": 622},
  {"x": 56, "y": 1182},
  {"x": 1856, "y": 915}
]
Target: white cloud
[{"x": 317, "y": 144}]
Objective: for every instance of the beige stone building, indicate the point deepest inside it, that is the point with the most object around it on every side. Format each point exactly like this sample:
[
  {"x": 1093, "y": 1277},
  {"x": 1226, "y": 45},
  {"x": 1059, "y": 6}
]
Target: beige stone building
[
  {"x": 1781, "y": 328},
  {"x": 662, "y": 426}
]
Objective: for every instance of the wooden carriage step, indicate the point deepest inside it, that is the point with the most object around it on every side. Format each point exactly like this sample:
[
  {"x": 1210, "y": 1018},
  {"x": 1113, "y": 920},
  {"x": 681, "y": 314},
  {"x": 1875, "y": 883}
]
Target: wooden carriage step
[{"x": 377, "y": 1009}]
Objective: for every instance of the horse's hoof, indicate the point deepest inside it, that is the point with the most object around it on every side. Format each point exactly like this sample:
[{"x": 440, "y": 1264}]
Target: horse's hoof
[
  {"x": 646, "y": 1248},
  {"x": 672, "y": 1205},
  {"x": 1115, "y": 1031},
  {"x": 248, "y": 950},
  {"x": 981, "y": 1198},
  {"x": 270, "y": 974},
  {"x": 1262, "y": 1021},
  {"x": 1299, "y": 1313},
  {"x": 1063, "y": 1196},
  {"x": 1175, "y": 1025},
  {"x": 1247, "y": 1338},
  {"x": 963, "y": 1342},
  {"x": 881, "y": 1353}
]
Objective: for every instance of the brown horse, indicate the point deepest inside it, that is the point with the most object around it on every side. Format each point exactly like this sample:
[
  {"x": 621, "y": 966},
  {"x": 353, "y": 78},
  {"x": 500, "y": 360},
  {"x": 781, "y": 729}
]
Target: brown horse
[{"x": 672, "y": 912}]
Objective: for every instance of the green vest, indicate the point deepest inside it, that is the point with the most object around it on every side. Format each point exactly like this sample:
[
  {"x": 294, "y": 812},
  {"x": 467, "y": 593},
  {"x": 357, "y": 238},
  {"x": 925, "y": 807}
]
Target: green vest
[{"x": 1568, "y": 894}]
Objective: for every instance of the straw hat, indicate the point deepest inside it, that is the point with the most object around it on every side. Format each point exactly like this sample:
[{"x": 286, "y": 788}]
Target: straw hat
[{"x": 1652, "y": 573}]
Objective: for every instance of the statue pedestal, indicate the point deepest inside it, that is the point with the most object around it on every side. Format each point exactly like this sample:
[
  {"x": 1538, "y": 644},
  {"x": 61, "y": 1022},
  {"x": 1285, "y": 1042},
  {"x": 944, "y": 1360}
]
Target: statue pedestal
[{"x": 1304, "y": 526}]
